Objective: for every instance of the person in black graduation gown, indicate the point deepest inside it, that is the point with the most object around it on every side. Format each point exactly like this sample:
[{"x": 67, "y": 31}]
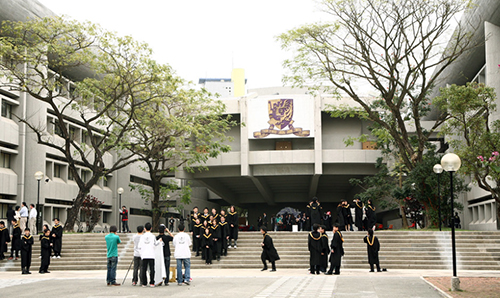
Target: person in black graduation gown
[
  {"x": 56, "y": 234},
  {"x": 232, "y": 221},
  {"x": 205, "y": 215},
  {"x": 224, "y": 235},
  {"x": 314, "y": 246},
  {"x": 371, "y": 216},
  {"x": 337, "y": 251},
  {"x": 358, "y": 214},
  {"x": 325, "y": 249},
  {"x": 315, "y": 210},
  {"x": 196, "y": 231},
  {"x": 340, "y": 216},
  {"x": 216, "y": 236},
  {"x": 16, "y": 240},
  {"x": 269, "y": 253},
  {"x": 166, "y": 248},
  {"x": 373, "y": 247},
  {"x": 215, "y": 215},
  {"x": 4, "y": 240},
  {"x": 26, "y": 250},
  {"x": 206, "y": 245},
  {"x": 46, "y": 247},
  {"x": 347, "y": 216}
]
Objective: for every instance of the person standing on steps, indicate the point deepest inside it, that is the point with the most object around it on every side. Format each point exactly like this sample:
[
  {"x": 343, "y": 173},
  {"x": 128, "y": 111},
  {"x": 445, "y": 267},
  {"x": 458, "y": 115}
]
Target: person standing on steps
[
  {"x": 315, "y": 211},
  {"x": 269, "y": 253},
  {"x": 15, "y": 241},
  {"x": 24, "y": 213},
  {"x": 32, "y": 218},
  {"x": 337, "y": 251},
  {"x": 26, "y": 249},
  {"x": 4, "y": 240},
  {"x": 358, "y": 214},
  {"x": 232, "y": 220},
  {"x": 371, "y": 216},
  {"x": 124, "y": 215},
  {"x": 314, "y": 246},
  {"x": 56, "y": 234},
  {"x": 373, "y": 247},
  {"x": 46, "y": 247},
  {"x": 112, "y": 241}
]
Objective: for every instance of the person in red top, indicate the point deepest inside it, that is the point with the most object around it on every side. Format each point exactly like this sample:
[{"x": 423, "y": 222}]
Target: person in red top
[{"x": 124, "y": 215}]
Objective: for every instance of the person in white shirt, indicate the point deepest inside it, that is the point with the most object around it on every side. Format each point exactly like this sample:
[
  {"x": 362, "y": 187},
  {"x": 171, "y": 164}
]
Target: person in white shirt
[
  {"x": 137, "y": 256},
  {"x": 182, "y": 254},
  {"x": 24, "y": 216},
  {"x": 147, "y": 248},
  {"x": 32, "y": 219}
]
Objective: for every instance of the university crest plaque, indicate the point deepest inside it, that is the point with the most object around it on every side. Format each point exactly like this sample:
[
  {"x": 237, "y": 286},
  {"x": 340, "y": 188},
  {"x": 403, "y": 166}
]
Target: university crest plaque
[{"x": 280, "y": 116}]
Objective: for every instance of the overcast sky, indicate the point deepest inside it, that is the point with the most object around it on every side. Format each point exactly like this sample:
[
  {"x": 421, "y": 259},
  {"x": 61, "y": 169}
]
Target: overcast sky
[{"x": 203, "y": 38}]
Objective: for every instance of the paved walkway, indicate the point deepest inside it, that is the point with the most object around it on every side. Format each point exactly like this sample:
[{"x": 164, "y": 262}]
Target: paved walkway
[{"x": 239, "y": 283}]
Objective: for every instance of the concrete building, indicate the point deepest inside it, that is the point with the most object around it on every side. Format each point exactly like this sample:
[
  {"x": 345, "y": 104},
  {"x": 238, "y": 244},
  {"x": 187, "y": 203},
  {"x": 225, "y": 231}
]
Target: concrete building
[{"x": 481, "y": 64}]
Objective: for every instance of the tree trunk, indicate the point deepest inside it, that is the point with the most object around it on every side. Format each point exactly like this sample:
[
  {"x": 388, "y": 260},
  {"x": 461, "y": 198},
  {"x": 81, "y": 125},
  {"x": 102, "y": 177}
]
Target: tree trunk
[
  {"x": 155, "y": 206},
  {"x": 404, "y": 219},
  {"x": 73, "y": 212}
]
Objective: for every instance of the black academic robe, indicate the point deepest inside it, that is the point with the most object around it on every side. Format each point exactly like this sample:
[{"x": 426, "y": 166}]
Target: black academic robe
[
  {"x": 371, "y": 216},
  {"x": 4, "y": 238},
  {"x": 26, "y": 251},
  {"x": 216, "y": 217},
  {"x": 315, "y": 210},
  {"x": 347, "y": 215},
  {"x": 338, "y": 249},
  {"x": 224, "y": 233},
  {"x": 216, "y": 236},
  {"x": 45, "y": 247},
  {"x": 232, "y": 219},
  {"x": 16, "y": 238},
  {"x": 204, "y": 217},
  {"x": 207, "y": 244},
  {"x": 268, "y": 251},
  {"x": 358, "y": 211},
  {"x": 57, "y": 230},
  {"x": 196, "y": 237},
  {"x": 314, "y": 245},
  {"x": 373, "y": 247},
  {"x": 325, "y": 250},
  {"x": 340, "y": 216}
]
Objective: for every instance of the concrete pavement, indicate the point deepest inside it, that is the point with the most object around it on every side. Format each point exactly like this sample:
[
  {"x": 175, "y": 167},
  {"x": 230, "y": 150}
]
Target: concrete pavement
[{"x": 239, "y": 283}]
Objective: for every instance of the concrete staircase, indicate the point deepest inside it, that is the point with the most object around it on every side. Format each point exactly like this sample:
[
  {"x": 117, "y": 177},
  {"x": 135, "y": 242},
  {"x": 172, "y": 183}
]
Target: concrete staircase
[{"x": 399, "y": 250}]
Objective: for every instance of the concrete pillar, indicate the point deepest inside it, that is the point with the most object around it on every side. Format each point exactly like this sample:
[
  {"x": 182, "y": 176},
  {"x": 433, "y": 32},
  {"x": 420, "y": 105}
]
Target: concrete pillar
[
  {"x": 492, "y": 57},
  {"x": 318, "y": 142},
  {"x": 244, "y": 142}
]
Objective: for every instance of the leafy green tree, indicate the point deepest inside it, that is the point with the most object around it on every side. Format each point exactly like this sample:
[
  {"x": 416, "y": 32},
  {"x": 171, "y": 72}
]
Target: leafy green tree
[
  {"x": 387, "y": 46},
  {"x": 181, "y": 127},
  {"x": 112, "y": 77},
  {"x": 474, "y": 132}
]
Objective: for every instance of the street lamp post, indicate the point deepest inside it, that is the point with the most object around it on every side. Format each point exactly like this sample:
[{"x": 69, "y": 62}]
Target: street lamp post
[
  {"x": 451, "y": 163},
  {"x": 438, "y": 169},
  {"x": 120, "y": 191},
  {"x": 38, "y": 177}
]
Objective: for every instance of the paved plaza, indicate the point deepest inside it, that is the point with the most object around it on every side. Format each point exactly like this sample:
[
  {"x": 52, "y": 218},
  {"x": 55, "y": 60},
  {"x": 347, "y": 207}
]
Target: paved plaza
[{"x": 238, "y": 283}]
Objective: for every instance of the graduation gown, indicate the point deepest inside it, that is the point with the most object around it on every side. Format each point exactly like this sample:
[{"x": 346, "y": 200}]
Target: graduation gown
[
  {"x": 340, "y": 216},
  {"x": 268, "y": 251},
  {"x": 207, "y": 240},
  {"x": 371, "y": 216},
  {"x": 325, "y": 249},
  {"x": 216, "y": 236},
  {"x": 358, "y": 213},
  {"x": 372, "y": 247},
  {"x": 315, "y": 249},
  {"x": 347, "y": 215},
  {"x": 196, "y": 237},
  {"x": 57, "y": 240},
  {"x": 315, "y": 210},
  {"x": 45, "y": 247},
  {"x": 4, "y": 238},
  {"x": 232, "y": 219},
  {"x": 16, "y": 238},
  {"x": 224, "y": 232},
  {"x": 338, "y": 249},
  {"x": 26, "y": 251}
]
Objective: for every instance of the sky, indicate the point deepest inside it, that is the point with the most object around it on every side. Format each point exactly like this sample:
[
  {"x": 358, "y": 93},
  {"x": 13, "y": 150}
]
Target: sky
[{"x": 204, "y": 39}]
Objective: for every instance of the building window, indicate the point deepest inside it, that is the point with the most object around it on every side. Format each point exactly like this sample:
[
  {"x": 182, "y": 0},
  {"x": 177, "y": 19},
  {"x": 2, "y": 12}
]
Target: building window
[
  {"x": 57, "y": 129},
  {"x": 73, "y": 134},
  {"x": 70, "y": 175},
  {"x": 4, "y": 160},
  {"x": 105, "y": 217},
  {"x": 57, "y": 170},
  {"x": 6, "y": 109},
  {"x": 105, "y": 181}
]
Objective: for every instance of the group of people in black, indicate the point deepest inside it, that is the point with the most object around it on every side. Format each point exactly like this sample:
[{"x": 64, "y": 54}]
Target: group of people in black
[
  {"x": 320, "y": 251},
  {"x": 22, "y": 241},
  {"x": 213, "y": 233},
  {"x": 363, "y": 223}
]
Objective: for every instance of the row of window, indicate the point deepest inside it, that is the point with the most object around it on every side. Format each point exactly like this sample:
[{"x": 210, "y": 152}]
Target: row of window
[
  {"x": 5, "y": 160},
  {"x": 62, "y": 171},
  {"x": 6, "y": 109}
]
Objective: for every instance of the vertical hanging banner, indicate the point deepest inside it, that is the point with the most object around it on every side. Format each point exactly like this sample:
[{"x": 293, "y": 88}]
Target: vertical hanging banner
[{"x": 281, "y": 117}]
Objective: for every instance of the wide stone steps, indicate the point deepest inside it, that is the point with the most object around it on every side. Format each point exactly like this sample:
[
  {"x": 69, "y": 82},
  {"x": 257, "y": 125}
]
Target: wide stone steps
[{"x": 399, "y": 250}]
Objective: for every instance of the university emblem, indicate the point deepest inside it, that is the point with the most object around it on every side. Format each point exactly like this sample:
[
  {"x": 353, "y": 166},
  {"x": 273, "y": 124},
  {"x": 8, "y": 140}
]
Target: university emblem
[{"x": 280, "y": 117}]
